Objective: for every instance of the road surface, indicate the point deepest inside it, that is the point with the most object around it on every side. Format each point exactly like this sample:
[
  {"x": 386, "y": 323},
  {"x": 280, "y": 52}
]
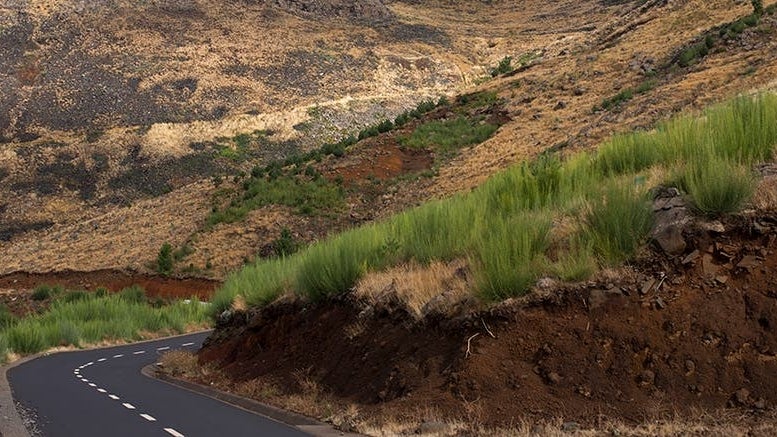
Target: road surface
[{"x": 103, "y": 393}]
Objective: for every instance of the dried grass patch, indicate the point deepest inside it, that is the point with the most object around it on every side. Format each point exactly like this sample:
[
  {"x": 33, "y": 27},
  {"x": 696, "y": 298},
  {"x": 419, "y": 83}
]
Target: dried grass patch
[{"x": 416, "y": 285}]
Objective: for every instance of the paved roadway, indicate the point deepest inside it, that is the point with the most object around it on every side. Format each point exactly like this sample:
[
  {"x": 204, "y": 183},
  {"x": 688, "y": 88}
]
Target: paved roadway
[{"x": 103, "y": 393}]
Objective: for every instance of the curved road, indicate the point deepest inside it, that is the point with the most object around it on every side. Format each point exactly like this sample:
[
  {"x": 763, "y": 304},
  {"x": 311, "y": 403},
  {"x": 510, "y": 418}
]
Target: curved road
[{"x": 103, "y": 393}]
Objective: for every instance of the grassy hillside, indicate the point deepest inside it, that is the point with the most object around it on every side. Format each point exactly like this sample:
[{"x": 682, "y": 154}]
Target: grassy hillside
[{"x": 553, "y": 216}]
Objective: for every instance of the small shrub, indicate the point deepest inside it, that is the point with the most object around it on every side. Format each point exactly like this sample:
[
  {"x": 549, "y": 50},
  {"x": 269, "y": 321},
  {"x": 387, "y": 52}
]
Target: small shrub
[
  {"x": 505, "y": 66},
  {"x": 758, "y": 7},
  {"x": 285, "y": 244},
  {"x": 164, "y": 260},
  {"x": 41, "y": 292}
]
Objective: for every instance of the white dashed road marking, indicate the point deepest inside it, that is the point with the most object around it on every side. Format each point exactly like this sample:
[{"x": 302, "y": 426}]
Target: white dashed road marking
[
  {"x": 127, "y": 405},
  {"x": 173, "y": 432}
]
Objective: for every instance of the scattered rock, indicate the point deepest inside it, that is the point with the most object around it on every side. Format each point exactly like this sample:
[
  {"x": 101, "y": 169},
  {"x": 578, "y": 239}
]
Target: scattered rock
[
  {"x": 670, "y": 240},
  {"x": 690, "y": 367},
  {"x": 660, "y": 304},
  {"x": 647, "y": 286},
  {"x": 713, "y": 226},
  {"x": 647, "y": 377},
  {"x": 560, "y": 105},
  {"x": 553, "y": 378},
  {"x": 691, "y": 257},
  {"x": 741, "y": 397},
  {"x": 748, "y": 262},
  {"x": 721, "y": 279},
  {"x": 597, "y": 298}
]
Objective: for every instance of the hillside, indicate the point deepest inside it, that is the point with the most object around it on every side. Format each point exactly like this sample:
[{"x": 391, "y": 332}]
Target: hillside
[
  {"x": 536, "y": 218},
  {"x": 122, "y": 129}
]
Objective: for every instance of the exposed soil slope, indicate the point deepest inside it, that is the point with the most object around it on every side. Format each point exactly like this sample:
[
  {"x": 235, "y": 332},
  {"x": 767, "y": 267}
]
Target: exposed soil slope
[{"x": 669, "y": 336}]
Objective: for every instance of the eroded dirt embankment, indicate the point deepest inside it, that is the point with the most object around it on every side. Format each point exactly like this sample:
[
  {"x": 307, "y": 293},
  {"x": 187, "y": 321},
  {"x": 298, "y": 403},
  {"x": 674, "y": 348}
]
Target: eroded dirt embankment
[{"x": 670, "y": 336}]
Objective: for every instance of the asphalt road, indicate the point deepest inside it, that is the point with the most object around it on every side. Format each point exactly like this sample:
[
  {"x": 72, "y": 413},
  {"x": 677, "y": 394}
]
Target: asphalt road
[{"x": 103, "y": 393}]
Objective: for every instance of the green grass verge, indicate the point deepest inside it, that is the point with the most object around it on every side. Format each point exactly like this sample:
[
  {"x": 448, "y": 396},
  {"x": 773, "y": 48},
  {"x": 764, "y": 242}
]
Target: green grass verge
[
  {"x": 78, "y": 318},
  {"x": 504, "y": 226}
]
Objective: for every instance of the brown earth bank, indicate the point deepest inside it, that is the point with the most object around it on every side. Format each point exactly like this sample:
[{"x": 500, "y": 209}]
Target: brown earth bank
[
  {"x": 666, "y": 337},
  {"x": 16, "y": 288}
]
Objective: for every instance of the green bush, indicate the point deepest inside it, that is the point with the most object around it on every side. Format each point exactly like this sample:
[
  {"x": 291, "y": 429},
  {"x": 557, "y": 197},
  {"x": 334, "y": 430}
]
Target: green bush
[
  {"x": 164, "y": 259},
  {"x": 285, "y": 244},
  {"x": 41, "y": 292},
  {"x": 505, "y": 66}
]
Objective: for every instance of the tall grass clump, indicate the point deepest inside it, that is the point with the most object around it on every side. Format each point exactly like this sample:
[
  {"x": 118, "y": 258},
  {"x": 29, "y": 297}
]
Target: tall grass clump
[
  {"x": 440, "y": 230},
  {"x": 334, "y": 266},
  {"x": 618, "y": 223},
  {"x": 509, "y": 255},
  {"x": 718, "y": 186},
  {"x": 260, "y": 283},
  {"x": 628, "y": 153}
]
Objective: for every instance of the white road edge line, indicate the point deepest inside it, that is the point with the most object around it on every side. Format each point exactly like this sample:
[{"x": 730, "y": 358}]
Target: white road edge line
[
  {"x": 102, "y": 390},
  {"x": 138, "y": 352},
  {"x": 114, "y": 397},
  {"x": 91, "y": 384},
  {"x": 147, "y": 417},
  {"x": 128, "y": 406},
  {"x": 118, "y": 355},
  {"x": 185, "y": 344},
  {"x": 89, "y": 363},
  {"x": 173, "y": 432},
  {"x": 164, "y": 348},
  {"x": 101, "y": 360}
]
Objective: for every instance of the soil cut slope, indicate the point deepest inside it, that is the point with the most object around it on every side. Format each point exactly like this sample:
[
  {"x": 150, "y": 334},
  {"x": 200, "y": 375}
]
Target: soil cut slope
[{"x": 666, "y": 337}]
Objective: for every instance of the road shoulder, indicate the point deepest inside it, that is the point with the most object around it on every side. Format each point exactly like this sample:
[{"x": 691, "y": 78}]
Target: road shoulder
[{"x": 303, "y": 423}]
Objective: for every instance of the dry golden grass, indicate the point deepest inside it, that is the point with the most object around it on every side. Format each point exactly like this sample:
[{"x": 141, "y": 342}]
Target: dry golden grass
[
  {"x": 415, "y": 285},
  {"x": 765, "y": 196},
  {"x": 705, "y": 424}
]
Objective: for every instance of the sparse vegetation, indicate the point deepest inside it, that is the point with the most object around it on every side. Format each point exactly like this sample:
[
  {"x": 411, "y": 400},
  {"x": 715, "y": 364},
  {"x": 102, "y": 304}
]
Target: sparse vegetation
[
  {"x": 449, "y": 135},
  {"x": 503, "y": 226},
  {"x": 625, "y": 95}
]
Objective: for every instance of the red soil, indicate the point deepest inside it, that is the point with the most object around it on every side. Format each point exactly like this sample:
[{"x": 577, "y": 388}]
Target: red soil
[{"x": 21, "y": 284}]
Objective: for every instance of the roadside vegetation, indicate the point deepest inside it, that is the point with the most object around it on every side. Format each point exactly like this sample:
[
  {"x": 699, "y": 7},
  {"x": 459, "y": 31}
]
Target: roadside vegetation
[
  {"x": 548, "y": 217},
  {"x": 79, "y": 318}
]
